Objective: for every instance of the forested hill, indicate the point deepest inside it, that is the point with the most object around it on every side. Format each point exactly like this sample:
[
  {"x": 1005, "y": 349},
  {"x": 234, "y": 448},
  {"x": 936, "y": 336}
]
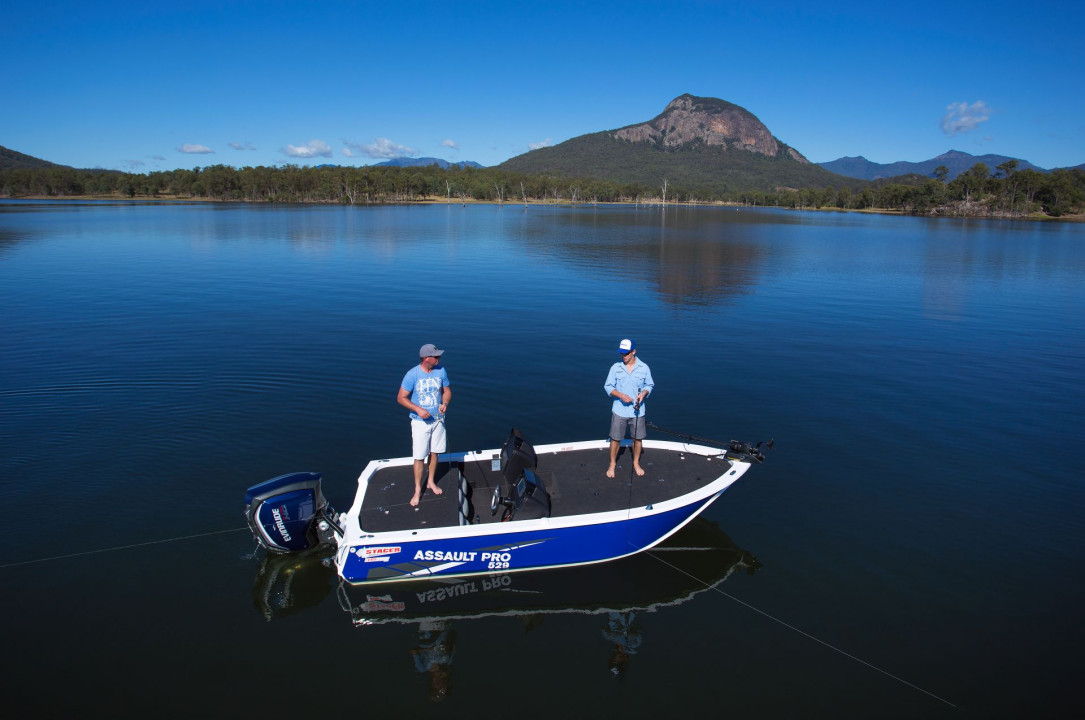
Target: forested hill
[
  {"x": 12, "y": 159},
  {"x": 696, "y": 145},
  {"x": 955, "y": 162}
]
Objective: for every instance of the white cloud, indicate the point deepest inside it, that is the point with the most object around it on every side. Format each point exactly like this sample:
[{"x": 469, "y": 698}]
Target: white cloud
[
  {"x": 133, "y": 164},
  {"x": 381, "y": 148},
  {"x": 963, "y": 117},
  {"x": 195, "y": 149},
  {"x": 545, "y": 143},
  {"x": 313, "y": 148},
  {"x": 242, "y": 146},
  {"x": 451, "y": 144}
]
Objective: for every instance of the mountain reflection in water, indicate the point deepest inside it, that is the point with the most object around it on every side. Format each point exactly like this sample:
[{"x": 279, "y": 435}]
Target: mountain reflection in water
[{"x": 695, "y": 259}]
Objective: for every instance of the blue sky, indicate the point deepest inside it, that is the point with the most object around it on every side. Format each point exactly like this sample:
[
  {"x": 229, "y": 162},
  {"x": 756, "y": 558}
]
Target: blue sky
[{"x": 159, "y": 86}]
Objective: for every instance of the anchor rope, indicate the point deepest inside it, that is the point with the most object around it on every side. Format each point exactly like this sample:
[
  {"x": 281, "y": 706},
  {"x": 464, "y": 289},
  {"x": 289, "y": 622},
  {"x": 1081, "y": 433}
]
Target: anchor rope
[
  {"x": 806, "y": 634},
  {"x": 119, "y": 547}
]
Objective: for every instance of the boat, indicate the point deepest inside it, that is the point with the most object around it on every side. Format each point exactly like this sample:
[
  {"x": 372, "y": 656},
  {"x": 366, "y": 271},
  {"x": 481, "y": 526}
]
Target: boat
[
  {"x": 515, "y": 508},
  {"x": 696, "y": 559}
]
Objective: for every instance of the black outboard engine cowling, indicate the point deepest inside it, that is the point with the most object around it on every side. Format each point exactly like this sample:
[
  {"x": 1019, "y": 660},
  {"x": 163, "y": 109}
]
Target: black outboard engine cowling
[{"x": 289, "y": 513}]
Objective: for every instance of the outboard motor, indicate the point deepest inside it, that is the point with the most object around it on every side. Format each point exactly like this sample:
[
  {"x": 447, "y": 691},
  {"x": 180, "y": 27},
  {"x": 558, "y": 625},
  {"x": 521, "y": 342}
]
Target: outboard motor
[{"x": 289, "y": 513}]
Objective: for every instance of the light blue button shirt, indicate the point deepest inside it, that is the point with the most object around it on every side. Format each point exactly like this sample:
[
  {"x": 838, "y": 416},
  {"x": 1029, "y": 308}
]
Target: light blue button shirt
[{"x": 630, "y": 383}]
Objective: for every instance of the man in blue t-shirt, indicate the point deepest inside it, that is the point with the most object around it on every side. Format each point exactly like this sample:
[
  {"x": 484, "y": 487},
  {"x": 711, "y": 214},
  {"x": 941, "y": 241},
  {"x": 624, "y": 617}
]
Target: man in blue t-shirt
[
  {"x": 425, "y": 392},
  {"x": 629, "y": 382}
]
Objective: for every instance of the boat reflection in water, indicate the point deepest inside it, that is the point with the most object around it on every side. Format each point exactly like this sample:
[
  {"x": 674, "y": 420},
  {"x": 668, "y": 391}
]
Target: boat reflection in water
[
  {"x": 696, "y": 559},
  {"x": 286, "y": 584}
]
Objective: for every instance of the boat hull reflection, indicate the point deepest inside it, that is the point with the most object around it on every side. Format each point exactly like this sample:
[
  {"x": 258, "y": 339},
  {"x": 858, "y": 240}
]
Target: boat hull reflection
[{"x": 694, "y": 560}]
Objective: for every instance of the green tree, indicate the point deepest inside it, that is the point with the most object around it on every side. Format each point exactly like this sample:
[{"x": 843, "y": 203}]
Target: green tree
[{"x": 1006, "y": 172}]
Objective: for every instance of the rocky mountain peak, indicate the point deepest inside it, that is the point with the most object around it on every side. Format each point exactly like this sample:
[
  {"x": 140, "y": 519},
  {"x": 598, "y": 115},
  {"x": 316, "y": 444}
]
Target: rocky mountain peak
[{"x": 689, "y": 119}]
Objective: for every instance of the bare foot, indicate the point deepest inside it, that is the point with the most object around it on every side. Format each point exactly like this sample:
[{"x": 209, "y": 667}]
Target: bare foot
[
  {"x": 610, "y": 471},
  {"x": 638, "y": 469},
  {"x": 414, "y": 501},
  {"x": 436, "y": 490}
]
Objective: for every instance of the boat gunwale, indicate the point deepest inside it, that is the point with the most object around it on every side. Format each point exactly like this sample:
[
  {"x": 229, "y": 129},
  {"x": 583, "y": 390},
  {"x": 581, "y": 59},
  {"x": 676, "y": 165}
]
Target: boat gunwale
[{"x": 356, "y": 536}]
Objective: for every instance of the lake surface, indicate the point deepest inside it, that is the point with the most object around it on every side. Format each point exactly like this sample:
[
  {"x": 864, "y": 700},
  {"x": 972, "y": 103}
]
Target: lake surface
[{"x": 913, "y": 546}]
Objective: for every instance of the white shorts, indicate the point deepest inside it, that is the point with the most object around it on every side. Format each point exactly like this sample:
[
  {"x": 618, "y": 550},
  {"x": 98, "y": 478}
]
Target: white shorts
[{"x": 428, "y": 437}]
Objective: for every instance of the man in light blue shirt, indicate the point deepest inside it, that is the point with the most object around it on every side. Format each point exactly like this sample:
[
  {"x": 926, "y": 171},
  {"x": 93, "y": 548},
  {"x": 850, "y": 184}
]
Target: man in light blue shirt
[
  {"x": 629, "y": 383},
  {"x": 425, "y": 392}
]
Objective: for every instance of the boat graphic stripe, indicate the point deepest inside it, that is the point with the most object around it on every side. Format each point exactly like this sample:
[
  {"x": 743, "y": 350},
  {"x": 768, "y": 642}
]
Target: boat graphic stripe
[
  {"x": 510, "y": 548},
  {"x": 435, "y": 569}
]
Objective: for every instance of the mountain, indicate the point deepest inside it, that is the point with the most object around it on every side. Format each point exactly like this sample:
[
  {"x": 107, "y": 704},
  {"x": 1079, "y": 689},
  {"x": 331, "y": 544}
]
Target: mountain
[
  {"x": 695, "y": 143},
  {"x": 426, "y": 162},
  {"x": 10, "y": 159},
  {"x": 955, "y": 161}
]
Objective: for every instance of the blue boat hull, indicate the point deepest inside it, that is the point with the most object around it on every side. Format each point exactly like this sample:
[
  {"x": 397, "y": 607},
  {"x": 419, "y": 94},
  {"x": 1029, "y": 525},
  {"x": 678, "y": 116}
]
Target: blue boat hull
[{"x": 508, "y": 550}]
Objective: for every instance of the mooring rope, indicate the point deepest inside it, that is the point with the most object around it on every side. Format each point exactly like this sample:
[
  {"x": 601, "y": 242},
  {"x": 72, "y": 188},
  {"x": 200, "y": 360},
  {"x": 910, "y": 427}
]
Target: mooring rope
[
  {"x": 119, "y": 547},
  {"x": 806, "y": 634}
]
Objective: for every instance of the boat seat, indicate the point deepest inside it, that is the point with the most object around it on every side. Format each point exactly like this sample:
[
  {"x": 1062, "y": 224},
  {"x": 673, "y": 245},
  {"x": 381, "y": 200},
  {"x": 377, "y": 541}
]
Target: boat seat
[{"x": 517, "y": 456}]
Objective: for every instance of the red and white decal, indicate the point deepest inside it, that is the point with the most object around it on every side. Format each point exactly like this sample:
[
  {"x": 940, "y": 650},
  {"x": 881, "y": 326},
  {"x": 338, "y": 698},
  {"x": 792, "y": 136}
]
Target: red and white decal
[{"x": 379, "y": 554}]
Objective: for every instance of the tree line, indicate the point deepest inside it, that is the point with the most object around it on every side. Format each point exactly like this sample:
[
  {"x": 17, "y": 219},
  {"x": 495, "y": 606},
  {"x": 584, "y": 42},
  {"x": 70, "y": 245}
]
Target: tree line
[{"x": 1007, "y": 191}]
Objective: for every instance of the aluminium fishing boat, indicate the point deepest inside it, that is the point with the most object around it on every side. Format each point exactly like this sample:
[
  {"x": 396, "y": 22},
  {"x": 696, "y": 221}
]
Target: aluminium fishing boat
[
  {"x": 694, "y": 560},
  {"x": 517, "y": 507}
]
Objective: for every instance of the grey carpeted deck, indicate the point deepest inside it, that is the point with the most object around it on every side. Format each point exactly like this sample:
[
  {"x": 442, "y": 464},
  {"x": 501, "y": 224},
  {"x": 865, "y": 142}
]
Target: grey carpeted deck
[{"x": 575, "y": 479}]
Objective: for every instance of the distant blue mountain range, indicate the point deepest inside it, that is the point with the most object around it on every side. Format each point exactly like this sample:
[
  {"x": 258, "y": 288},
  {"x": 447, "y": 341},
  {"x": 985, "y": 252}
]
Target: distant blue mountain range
[
  {"x": 955, "y": 161},
  {"x": 426, "y": 162}
]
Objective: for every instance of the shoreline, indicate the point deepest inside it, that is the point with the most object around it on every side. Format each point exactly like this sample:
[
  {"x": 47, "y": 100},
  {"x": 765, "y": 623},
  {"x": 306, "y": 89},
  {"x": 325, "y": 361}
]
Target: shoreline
[{"x": 436, "y": 200}]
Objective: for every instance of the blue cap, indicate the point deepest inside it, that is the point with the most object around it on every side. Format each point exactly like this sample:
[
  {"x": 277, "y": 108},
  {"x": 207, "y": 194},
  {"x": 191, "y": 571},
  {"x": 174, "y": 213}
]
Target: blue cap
[{"x": 626, "y": 345}]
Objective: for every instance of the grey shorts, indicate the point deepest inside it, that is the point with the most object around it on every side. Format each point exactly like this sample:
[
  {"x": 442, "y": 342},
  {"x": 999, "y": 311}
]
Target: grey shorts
[{"x": 636, "y": 426}]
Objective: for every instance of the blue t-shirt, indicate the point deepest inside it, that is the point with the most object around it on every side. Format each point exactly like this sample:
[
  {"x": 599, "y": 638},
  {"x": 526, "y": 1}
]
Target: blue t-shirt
[
  {"x": 631, "y": 384},
  {"x": 426, "y": 388}
]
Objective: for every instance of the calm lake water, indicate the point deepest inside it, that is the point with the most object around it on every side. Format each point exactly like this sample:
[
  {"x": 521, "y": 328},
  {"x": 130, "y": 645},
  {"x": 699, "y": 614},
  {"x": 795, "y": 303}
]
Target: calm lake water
[{"x": 913, "y": 547}]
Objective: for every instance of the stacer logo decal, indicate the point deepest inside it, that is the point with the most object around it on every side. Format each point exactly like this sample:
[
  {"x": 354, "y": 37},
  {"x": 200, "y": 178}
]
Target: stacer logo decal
[{"x": 379, "y": 554}]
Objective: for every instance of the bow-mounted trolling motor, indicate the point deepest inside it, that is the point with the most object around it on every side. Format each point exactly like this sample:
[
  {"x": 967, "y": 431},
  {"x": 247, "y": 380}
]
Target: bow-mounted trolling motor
[
  {"x": 527, "y": 498},
  {"x": 289, "y": 513},
  {"x": 736, "y": 449},
  {"x": 745, "y": 452}
]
